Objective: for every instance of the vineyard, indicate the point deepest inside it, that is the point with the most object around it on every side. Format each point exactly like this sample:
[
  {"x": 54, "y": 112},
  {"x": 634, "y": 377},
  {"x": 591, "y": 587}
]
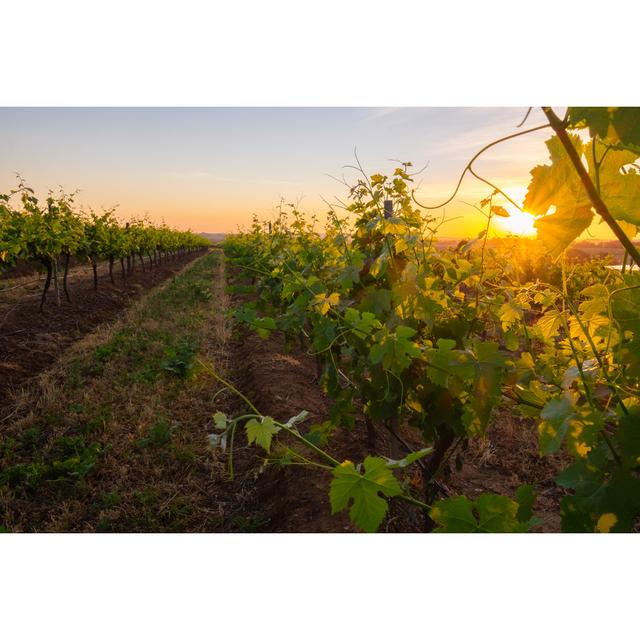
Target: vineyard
[
  {"x": 353, "y": 375},
  {"x": 52, "y": 233}
]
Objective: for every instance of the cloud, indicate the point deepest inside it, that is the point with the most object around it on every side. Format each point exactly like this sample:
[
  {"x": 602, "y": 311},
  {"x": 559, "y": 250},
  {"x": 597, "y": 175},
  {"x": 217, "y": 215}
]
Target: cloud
[{"x": 381, "y": 112}]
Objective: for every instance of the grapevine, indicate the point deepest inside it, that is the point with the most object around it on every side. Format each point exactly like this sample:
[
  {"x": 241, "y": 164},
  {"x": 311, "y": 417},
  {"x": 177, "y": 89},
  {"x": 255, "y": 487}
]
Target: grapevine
[
  {"x": 410, "y": 337},
  {"x": 52, "y": 233}
]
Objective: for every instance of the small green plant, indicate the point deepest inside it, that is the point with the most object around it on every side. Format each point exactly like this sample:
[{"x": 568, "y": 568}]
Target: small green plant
[
  {"x": 104, "y": 526},
  {"x": 250, "y": 524},
  {"x": 70, "y": 460},
  {"x": 75, "y": 458},
  {"x": 25, "y": 475},
  {"x": 178, "y": 360},
  {"x": 159, "y": 436},
  {"x": 111, "y": 499}
]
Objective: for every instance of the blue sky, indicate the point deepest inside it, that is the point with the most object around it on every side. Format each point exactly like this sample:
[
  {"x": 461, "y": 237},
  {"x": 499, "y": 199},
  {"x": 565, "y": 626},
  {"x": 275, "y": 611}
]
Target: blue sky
[{"x": 210, "y": 169}]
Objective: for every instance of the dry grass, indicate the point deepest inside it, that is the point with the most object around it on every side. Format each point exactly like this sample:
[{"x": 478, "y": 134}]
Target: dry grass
[{"x": 133, "y": 390}]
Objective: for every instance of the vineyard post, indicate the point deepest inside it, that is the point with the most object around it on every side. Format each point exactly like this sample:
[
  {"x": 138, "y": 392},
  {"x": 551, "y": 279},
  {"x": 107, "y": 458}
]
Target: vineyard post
[
  {"x": 47, "y": 283},
  {"x": 67, "y": 257},
  {"x": 392, "y": 423},
  {"x": 94, "y": 267},
  {"x": 55, "y": 280}
]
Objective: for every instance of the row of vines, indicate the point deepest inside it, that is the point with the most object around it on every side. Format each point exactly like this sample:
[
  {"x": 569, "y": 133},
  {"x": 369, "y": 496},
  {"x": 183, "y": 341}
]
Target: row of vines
[
  {"x": 50, "y": 234},
  {"x": 410, "y": 337}
]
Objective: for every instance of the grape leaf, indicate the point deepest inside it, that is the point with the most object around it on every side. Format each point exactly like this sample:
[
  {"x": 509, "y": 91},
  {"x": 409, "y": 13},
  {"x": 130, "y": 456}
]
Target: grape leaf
[
  {"x": 324, "y": 302},
  {"x": 525, "y": 497},
  {"x": 558, "y": 185},
  {"x": 454, "y": 515},
  {"x": 489, "y": 370},
  {"x": 220, "y": 420},
  {"x": 509, "y": 313},
  {"x": 615, "y": 124},
  {"x": 558, "y": 230},
  {"x": 362, "y": 323},
  {"x": 557, "y": 415},
  {"x": 621, "y": 192},
  {"x": 261, "y": 432},
  {"x": 496, "y": 514},
  {"x": 596, "y": 118},
  {"x": 363, "y": 490},
  {"x": 549, "y": 324},
  {"x": 489, "y": 513},
  {"x": 394, "y": 350},
  {"x": 264, "y": 326}
]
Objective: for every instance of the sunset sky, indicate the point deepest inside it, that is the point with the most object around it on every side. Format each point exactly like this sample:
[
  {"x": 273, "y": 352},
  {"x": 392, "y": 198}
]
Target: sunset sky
[{"x": 210, "y": 169}]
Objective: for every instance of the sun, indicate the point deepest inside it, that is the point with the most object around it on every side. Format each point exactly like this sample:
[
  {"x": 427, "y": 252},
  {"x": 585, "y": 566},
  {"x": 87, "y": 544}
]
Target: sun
[{"x": 519, "y": 223}]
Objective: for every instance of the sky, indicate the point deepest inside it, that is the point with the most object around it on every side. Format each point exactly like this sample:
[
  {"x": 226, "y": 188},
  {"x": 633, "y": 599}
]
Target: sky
[{"x": 211, "y": 169}]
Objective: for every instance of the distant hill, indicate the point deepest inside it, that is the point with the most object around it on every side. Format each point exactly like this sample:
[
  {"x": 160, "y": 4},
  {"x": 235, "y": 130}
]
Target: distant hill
[{"x": 214, "y": 237}]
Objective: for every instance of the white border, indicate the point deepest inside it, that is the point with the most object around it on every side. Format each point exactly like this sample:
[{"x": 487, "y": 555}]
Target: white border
[
  {"x": 334, "y": 52},
  {"x": 316, "y": 586}
]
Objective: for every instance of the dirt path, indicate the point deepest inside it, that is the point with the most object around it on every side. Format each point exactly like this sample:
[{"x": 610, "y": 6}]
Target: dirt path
[{"x": 31, "y": 341}]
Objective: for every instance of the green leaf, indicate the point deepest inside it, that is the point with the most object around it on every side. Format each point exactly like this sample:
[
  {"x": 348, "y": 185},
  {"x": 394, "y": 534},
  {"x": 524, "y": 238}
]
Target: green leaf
[
  {"x": 319, "y": 434},
  {"x": 628, "y": 438},
  {"x": 549, "y": 324},
  {"x": 363, "y": 324},
  {"x": 496, "y": 514},
  {"x": 616, "y": 125},
  {"x": 264, "y": 326},
  {"x": 626, "y": 123},
  {"x": 558, "y": 230},
  {"x": 509, "y": 313},
  {"x": 489, "y": 370},
  {"x": 404, "y": 333},
  {"x": 394, "y": 350},
  {"x": 596, "y": 118},
  {"x": 556, "y": 184},
  {"x": 556, "y": 415},
  {"x": 261, "y": 432},
  {"x": 489, "y": 513},
  {"x": 525, "y": 497},
  {"x": 574, "y": 516},
  {"x": 363, "y": 490},
  {"x": 376, "y": 301},
  {"x": 450, "y": 368},
  {"x": 620, "y": 192},
  {"x": 220, "y": 421},
  {"x": 454, "y": 515}
]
